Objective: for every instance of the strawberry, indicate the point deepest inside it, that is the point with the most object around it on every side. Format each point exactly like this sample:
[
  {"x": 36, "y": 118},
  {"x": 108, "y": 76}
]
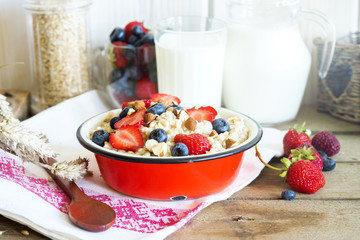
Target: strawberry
[
  {"x": 195, "y": 142},
  {"x": 145, "y": 88},
  {"x": 130, "y": 25},
  {"x": 167, "y": 97},
  {"x": 307, "y": 153},
  {"x": 131, "y": 103},
  {"x": 210, "y": 109},
  {"x": 119, "y": 58},
  {"x": 294, "y": 138},
  {"x": 145, "y": 54},
  {"x": 127, "y": 138},
  {"x": 326, "y": 142},
  {"x": 301, "y": 175},
  {"x": 200, "y": 114},
  {"x": 136, "y": 119}
]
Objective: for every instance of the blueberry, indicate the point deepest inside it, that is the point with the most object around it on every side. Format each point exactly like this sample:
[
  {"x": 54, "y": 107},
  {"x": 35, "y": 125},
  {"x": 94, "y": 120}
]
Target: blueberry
[
  {"x": 116, "y": 74},
  {"x": 137, "y": 31},
  {"x": 159, "y": 135},
  {"x": 129, "y": 52},
  {"x": 179, "y": 149},
  {"x": 124, "y": 112},
  {"x": 323, "y": 155},
  {"x": 118, "y": 34},
  {"x": 113, "y": 121},
  {"x": 147, "y": 38},
  {"x": 175, "y": 107},
  {"x": 220, "y": 125},
  {"x": 99, "y": 137},
  {"x": 329, "y": 164},
  {"x": 288, "y": 195},
  {"x": 133, "y": 39},
  {"x": 157, "y": 109}
]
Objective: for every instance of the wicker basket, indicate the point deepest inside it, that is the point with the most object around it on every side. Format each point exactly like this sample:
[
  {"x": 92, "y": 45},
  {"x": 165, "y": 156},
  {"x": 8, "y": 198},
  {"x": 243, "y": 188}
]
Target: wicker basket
[{"x": 339, "y": 92}]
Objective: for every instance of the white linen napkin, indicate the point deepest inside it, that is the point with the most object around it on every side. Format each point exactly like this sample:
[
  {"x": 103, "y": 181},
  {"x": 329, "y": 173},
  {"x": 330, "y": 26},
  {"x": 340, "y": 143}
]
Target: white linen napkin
[{"x": 31, "y": 198}]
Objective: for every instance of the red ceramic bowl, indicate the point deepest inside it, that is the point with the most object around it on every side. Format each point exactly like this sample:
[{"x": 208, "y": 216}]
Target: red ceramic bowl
[{"x": 169, "y": 178}]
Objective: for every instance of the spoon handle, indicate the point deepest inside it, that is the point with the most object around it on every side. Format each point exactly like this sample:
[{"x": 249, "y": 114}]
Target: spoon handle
[{"x": 69, "y": 187}]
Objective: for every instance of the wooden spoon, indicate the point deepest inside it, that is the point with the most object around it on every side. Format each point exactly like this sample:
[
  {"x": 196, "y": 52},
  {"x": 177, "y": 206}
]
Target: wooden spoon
[{"x": 84, "y": 211}]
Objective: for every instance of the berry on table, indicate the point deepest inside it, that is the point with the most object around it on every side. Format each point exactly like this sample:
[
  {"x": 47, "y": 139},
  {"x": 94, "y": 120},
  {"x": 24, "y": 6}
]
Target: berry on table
[
  {"x": 288, "y": 195},
  {"x": 220, "y": 125},
  {"x": 99, "y": 137},
  {"x": 329, "y": 165},
  {"x": 301, "y": 175},
  {"x": 179, "y": 149},
  {"x": 159, "y": 135},
  {"x": 327, "y": 142},
  {"x": 294, "y": 138}
]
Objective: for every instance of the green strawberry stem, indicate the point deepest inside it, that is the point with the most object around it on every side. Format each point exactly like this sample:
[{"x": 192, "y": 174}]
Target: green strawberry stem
[{"x": 257, "y": 154}]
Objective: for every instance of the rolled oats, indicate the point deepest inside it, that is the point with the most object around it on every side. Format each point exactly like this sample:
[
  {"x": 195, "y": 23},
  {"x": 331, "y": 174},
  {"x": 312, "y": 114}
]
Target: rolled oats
[{"x": 61, "y": 51}]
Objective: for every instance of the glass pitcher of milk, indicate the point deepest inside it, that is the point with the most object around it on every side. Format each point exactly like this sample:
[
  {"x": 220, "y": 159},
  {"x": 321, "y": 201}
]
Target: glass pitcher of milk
[{"x": 267, "y": 62}]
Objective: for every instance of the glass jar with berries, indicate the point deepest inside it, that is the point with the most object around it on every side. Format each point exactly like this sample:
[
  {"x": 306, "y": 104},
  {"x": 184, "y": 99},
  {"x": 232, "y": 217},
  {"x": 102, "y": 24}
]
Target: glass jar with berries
[
  {"x": 59, "y": 49},
  {"x": 125, "y": 70}
]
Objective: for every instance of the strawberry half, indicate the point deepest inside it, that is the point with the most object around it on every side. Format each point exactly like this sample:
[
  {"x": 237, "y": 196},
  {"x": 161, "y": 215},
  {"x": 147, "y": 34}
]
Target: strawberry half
[
  {"x": 131, "y": 103},
  {"x": 167, "y": 97},
  {"x": 136, "y": 119},
  {"x": 200, "y": 114},
  {"x": 127, "y": 138},
  {"x": 210, "y": 109}
]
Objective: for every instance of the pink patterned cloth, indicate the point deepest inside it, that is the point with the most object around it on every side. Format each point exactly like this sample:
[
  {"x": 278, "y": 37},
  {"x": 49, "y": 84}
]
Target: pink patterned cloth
[{"x": 24, "y": 184}]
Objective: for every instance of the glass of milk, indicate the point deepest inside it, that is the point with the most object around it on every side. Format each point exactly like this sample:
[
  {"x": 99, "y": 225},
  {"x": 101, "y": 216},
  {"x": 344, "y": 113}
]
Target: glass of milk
[
  {"x": 190, "y": 58},
  {"x": 267, "y": 62}
]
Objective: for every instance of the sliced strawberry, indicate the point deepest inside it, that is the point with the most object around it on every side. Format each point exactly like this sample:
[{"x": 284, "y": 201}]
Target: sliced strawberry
[
  {"x": 145, "y": 88},
  {"x": 131, "y": 103},
  {"x": 136, "y": 119},
  {"x": 210, "y": 109},
  {"x": 200, "y": 114},
  {"x": 167, "y": 97},
  {"x": 127, "y": 138}
]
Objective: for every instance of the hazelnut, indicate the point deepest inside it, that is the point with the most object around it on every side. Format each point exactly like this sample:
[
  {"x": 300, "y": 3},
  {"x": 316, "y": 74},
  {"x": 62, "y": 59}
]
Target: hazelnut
[
  {"x": 229, "y": 142},
  {"x": 190, "y": 124},
  {"x": 213, "y": 133},
  {"x": 139, "y": 105},
  {"x": 149, "y": 117}
]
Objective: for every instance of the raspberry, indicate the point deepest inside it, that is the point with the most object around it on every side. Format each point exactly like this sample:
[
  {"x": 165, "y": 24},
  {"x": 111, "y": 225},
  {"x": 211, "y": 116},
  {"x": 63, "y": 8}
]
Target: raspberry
[
  {"x": 326, "y": 142},
  {"x": 195, "y": 142}
]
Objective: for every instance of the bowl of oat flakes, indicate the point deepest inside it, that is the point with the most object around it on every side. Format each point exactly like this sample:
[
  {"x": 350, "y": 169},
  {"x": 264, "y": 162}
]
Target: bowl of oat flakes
[{"x": 161, "y": 149}]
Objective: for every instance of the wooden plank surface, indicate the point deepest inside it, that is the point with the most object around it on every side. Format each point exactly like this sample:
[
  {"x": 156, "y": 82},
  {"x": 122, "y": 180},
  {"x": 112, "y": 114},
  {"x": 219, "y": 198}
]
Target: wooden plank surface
[{"x": 257, "y": 212}]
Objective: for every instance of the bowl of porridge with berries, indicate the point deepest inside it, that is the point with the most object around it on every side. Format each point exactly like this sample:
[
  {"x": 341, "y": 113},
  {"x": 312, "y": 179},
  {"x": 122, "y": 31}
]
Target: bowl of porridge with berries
[{"x": 161, "y": 149}]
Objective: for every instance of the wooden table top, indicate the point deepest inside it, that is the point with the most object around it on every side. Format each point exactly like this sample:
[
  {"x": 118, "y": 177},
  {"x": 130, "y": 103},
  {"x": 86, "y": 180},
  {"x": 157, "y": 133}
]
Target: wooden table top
[{"x": 257, "y": 212}]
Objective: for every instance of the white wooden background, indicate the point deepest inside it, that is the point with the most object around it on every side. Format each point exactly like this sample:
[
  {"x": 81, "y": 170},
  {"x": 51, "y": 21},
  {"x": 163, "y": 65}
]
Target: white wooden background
[{"x": 106, "y": 14}]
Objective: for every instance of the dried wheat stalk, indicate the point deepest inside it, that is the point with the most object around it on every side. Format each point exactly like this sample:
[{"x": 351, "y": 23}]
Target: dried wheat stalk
[{"x": 31, "y": 146}]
